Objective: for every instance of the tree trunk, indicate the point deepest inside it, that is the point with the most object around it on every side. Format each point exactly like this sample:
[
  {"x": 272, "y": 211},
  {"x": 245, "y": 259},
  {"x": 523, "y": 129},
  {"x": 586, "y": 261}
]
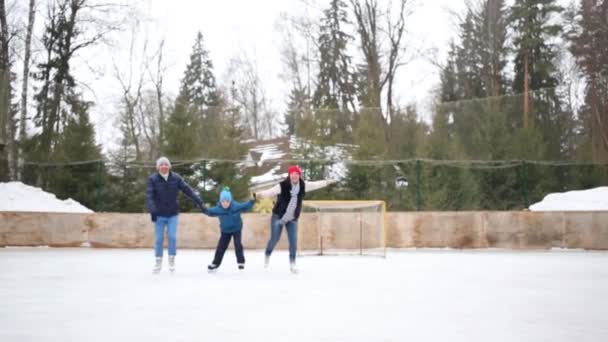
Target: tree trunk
[
  {"x": 24, "y": 89},
  {"x": 526, "y": 89},
  {"x": 158, "y": 86},
  {"x": 7, "y": 132},
  {"x": 599, "y": 137}
]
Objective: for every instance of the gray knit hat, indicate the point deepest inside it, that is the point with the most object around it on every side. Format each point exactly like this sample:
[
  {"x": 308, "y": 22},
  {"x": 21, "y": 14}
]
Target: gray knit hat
[{"x": 162, "y": 160}]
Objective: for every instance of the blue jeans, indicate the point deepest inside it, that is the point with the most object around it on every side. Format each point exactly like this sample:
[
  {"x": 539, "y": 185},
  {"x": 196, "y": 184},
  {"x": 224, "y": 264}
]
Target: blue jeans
[
  {"x": 275, "y": 235},
  {"x": 171, "y": 223}
]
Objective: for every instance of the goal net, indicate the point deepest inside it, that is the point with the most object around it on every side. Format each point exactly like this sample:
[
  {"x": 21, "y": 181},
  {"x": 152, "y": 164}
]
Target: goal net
[{"x": 342, "y": 228}]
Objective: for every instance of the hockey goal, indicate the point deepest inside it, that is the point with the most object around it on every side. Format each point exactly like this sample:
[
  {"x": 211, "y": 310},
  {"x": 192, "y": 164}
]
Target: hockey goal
[{"x": 343, "y": 228}]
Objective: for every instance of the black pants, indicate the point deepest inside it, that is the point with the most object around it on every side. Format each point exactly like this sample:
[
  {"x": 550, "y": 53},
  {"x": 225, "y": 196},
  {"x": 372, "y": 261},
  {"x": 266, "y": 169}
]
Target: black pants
[{"x": 222, "y": 245}]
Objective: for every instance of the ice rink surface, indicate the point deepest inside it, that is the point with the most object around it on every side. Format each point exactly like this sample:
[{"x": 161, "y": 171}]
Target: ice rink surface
[{"x": 82, "y": 294}]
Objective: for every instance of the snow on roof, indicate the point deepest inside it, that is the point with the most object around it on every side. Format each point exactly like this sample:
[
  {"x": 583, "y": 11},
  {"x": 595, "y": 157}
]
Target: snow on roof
[
  {"x": 263, "y": 159},
  {"x": 269, "y": 177}
]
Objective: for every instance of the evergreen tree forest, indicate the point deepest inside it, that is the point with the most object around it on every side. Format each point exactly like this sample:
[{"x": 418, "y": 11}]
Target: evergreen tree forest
[{"x": 520, "y": 107}]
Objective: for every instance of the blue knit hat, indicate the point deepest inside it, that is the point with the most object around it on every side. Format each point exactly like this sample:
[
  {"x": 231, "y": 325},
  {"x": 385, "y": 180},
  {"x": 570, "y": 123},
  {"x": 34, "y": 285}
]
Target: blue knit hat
[{"x": 225, "y": 195}]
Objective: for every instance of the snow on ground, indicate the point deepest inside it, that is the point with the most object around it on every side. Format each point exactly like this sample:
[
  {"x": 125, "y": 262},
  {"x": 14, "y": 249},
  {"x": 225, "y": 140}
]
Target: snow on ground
[
  {"x": 17, "y": 196},
  {"x": 415, "y": 295},
  {"x": 592, "y": 199},
  {"x": 268, "y": 152}
]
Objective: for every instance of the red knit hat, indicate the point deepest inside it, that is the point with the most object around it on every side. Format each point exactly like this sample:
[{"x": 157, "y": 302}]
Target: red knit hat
[{"x": 294, "y": 169}]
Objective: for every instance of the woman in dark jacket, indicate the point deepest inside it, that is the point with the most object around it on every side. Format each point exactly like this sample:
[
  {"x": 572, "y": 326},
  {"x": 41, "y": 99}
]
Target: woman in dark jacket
[{"x": 290, "y": 195}]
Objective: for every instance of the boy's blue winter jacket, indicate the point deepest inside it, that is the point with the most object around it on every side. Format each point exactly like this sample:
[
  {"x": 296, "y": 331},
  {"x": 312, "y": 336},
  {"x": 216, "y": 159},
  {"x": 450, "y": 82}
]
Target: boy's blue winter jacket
[{"x": 230, "y": 218}]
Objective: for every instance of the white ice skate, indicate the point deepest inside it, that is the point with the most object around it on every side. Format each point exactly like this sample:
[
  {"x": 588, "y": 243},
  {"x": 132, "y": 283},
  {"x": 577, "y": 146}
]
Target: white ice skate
[
  {"x": 266, "y": 261},
  {"x": 157, "y": 265},
  {"x": 172, "y": 263}
]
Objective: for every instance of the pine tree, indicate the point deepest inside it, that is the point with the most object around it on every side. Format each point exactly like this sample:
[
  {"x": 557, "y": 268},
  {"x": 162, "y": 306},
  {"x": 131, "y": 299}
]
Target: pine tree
[
  {"x": 193, "y": 125},
  {"x": 547, "y": 125},
  {"x": 590, "y": 47},
  {"x": 365, "y": 181},
  {"x": 475, "y": 82},
  {"x": 410, "y": 133},
  {"x": 298, "y": 103},
  {"x": 83, "y": 182},
  {"x": 125, "y": 181},
  {"x": 64, "y": 132},
  {"x": 535, "y": 69},
  {"x": 473, "y": 77},
  {"x": 446, "y": 185},
  {"x": 334, "y": 98},
  {"x": 228, "y": 146}
]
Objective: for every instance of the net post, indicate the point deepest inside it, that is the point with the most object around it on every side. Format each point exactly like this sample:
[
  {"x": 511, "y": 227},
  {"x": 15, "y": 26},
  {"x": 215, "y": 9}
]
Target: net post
[
  {"x": 320, "y": 232},
  {"x": 418, "y": 195},
  {"x": 384, "y": 226},
  {"x": 98, "y": 190},
  {"x": 360, "y": 233},
  {"x": 524, "y": 175}
]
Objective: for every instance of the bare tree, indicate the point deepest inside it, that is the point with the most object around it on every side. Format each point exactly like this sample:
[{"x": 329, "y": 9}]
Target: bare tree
[
  {"x": 249, "y": 93},
  {"x": 300, "y": 34},
  {"x": 131, "y": 94},
  {"x": 4, "y": 78},
  {"x": 381, "y": 63},
  {"x": 24, "y": 85},
  {"x": 143, "y": 99},
  {"x": 293, "y": 62},
  {"x": 157, "y": 77},
  {"x": 299, "y": 55},
  {"x": 71, "y": 26},
  {"x": 7, "y": 120}
]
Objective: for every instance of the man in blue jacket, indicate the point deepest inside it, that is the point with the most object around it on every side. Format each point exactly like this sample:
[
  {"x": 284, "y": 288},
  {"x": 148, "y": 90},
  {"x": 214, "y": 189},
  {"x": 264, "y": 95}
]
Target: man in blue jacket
[
  {"x": 231, "y": 224},
  {"x": 161, "y": 200}
]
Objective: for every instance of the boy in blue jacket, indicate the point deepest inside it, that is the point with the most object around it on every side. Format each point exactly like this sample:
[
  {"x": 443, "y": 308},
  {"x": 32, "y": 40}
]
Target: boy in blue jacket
[{"x": 229, "y": 214}]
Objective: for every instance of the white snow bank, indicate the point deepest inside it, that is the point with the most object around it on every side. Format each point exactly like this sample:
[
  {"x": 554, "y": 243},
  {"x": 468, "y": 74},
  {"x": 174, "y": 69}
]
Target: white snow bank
[
  {"x": 578, "y": 200},
  {"x": 17, "y": 196}
]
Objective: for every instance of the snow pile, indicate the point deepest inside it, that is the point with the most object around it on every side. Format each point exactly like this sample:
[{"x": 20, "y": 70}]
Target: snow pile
[
  {"x": 579, "y": 200},
  {"x": 17, "y": 196}
]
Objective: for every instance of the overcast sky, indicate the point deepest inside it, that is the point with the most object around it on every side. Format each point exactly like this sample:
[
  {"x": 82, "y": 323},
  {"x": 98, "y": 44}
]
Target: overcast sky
[{"x": 232, "y": 27}]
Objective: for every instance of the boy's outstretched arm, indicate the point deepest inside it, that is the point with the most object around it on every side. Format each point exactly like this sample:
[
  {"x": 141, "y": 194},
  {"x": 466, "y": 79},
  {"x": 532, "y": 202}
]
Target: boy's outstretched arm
[
  {"x": 212, "y": 211},
  {"x": 244, "y": 206}
]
